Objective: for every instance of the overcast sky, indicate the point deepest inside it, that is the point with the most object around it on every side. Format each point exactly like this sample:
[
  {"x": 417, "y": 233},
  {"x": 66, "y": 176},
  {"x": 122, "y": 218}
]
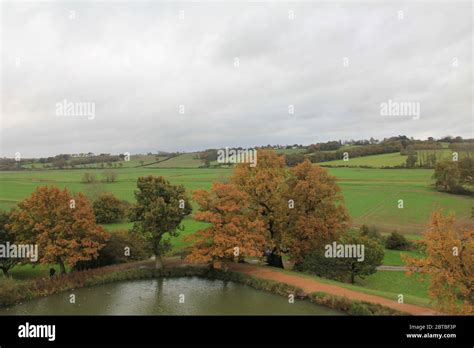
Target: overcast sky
[{"x": 137, "y": 62}]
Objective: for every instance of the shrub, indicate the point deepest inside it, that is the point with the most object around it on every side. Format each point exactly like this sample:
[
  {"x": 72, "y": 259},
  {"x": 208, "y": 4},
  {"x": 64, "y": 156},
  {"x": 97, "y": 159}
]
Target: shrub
[
  {"x": 109, "y": 176},
  {"x": 123, "y": 246},
  {"x": 345, "y": 268},
  {"x": 397, "y": 241},
  {"x": 370, "y": 232},
  {"x": 89, "y": 178},
  {"x": 351, "y": 307},
  {"x": 108, "y": 208},
  {"x": 292, "y": 160}
]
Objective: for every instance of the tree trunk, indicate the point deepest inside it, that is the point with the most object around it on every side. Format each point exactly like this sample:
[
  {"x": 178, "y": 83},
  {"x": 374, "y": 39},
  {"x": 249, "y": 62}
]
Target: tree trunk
[
  {"x": 158, "y": 261},
  {"x": 274, "y": 259},
  {"x": 62, "y": 267},
  {"x": 5, "y": 272}
]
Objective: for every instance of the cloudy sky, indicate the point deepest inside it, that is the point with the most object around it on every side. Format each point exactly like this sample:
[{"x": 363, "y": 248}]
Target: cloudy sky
[{"x": 235, "y": 70}]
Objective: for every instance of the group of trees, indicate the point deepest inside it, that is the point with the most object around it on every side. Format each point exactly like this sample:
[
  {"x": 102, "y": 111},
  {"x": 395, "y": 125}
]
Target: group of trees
[
  {"x": 108, "y": 176},
  {"x": 208, "y": 156},
  {"x": 359, "y": 151},
  {"x": 269, "y": 210},
  {"x": 67, "y": 160},
  {"x": 62, "y": 225},
  {"x": 454, "y": 176}
]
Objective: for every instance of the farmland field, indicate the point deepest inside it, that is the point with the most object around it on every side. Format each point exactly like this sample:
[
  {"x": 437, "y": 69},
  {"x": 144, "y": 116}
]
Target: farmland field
[
  {"x": 187, "y": 160},
  {"x": 371, "y": 195},
  {"x": 376, "y": 161},
  {"x": 394, "y": 159}
]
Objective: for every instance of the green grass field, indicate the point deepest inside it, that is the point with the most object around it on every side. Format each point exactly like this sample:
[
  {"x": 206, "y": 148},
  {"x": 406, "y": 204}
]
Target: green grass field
[
  {"x": 388, "y": 284},
  {"x": 393, "y": 159},
  {"x": 376, "y": 161},
  {"x": 187, "y": 160},
  {"x": 189, "y": 225},
  {"x": 393, "y": 257},
  {"x": 371, "y": 195}
]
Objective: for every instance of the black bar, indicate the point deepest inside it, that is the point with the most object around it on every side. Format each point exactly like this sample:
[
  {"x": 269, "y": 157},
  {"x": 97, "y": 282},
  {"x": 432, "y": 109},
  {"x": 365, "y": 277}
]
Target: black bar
[{"x": 260, "y": 330}]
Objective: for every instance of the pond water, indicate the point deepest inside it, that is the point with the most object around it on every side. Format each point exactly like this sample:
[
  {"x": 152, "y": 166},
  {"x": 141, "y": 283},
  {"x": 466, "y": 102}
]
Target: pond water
[{"x": 162, "y": 297}]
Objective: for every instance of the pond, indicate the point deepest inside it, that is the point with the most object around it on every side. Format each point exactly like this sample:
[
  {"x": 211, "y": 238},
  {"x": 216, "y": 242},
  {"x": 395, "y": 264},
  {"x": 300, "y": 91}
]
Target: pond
[{"x": 166, "y": 297}]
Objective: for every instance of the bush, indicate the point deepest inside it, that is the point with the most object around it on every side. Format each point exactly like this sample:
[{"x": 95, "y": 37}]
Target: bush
[
  {"x": 89, "y": 178},
  {"x": 294, "y": 159},
  {"x": 397, "y": 241},
  {"x": 345, "y": 268},
  {"x": 351, "y": 307},
  {"x": 109, "y": 176},
  {"x": 108, "y": 209},
  {"x": 123, "y": 246},
  {"x": 370, "y": 232}
]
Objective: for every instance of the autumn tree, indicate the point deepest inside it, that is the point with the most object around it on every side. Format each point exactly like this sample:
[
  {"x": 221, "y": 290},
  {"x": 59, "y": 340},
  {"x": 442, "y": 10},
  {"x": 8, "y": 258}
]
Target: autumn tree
[
  {"x": 449, "y": 265},
  {"x": 315, "y": 213},
  {"x": 233, "y": 234},
  {"x": 63, "y": 226},
  {"x": 266, "y": 188},
  {"x": 6, "y": 236},
  {"x": 160, "y": 208},
  {"x": 299, "y": 209}
]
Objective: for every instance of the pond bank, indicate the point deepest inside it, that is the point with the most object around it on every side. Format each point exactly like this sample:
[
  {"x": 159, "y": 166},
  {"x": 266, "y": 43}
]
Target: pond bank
[{"x": 260, "y": 278}]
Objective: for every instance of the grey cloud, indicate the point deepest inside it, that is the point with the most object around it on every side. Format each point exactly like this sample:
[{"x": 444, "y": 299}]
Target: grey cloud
[{"x": 138, "y": 62}]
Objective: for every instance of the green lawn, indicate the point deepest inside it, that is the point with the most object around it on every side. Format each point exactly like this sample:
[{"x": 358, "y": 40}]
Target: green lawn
[
  {"x": 393, "y": 257},
  {"x": 28, "y": 271},
  {"x": 190, "y": 226},
  {"x": 396, "y": 282},
  {"x": 388, "y": 284}
]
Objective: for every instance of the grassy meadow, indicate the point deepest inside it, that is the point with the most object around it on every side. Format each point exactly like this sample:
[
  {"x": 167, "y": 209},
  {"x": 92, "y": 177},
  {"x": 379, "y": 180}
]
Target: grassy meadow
[
  {"x": 370, "y": 195},
  {"x": 394, "y": 159}
]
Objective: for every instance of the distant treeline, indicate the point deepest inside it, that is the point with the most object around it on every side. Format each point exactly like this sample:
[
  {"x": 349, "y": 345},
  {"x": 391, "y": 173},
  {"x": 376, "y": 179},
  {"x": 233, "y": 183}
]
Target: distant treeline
[{"x": 367, "y": 150}]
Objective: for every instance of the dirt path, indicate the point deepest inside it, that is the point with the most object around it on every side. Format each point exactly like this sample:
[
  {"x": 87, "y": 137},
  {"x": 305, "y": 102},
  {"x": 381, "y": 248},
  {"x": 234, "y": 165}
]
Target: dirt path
[{"x": 312, "y": 285}]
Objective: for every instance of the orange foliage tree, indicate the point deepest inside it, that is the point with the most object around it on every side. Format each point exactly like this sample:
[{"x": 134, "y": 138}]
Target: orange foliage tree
[
  {"x": 233, "y": 234},
  {"x": 318, "y": 215},
  {"x": 61, "y": 225},
  {"x": 449, "y": 265},
  {"x": 292, "y": 211},
  {"x": 266, "y": 187}
]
